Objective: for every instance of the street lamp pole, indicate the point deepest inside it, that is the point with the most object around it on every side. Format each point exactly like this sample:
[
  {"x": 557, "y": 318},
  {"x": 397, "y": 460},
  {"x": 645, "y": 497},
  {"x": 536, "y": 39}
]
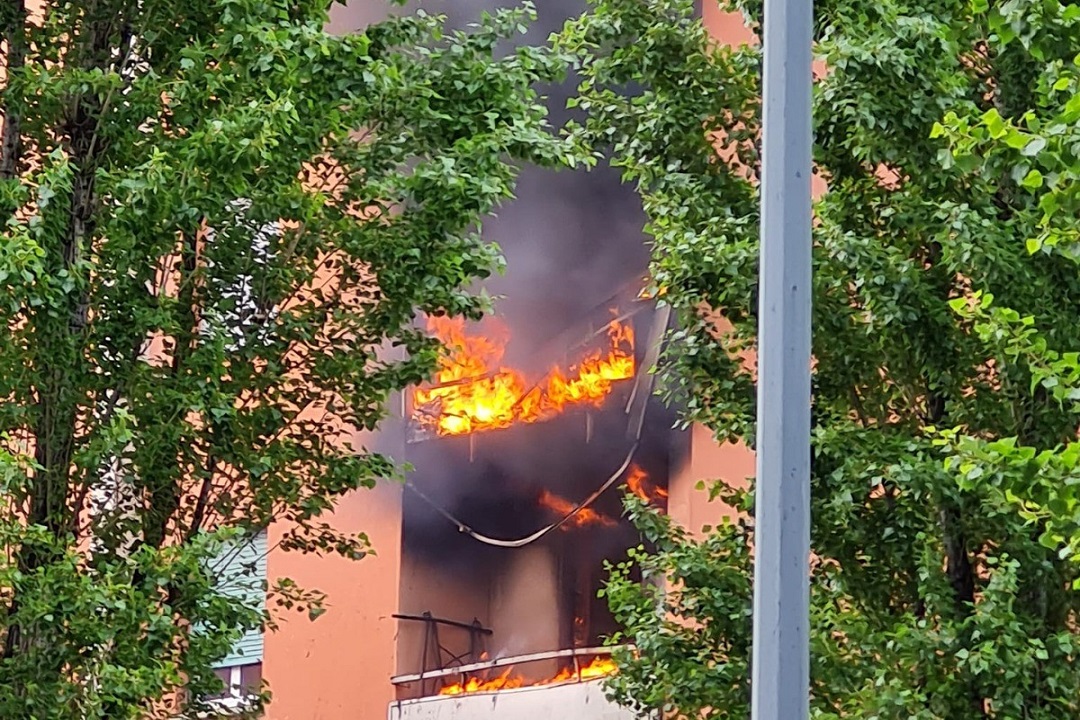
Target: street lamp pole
[{"x": 781, "y": 657}]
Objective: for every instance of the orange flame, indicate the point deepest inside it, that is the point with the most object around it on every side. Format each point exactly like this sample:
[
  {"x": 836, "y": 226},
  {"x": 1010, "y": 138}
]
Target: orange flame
[
  {"x": 584, "y": 516},
  {"x": 639, "y": 484},
  {"x": 598, "y": 668},
  {"x": 475, "y": 684},
  {"x": 474, "y": 392}
]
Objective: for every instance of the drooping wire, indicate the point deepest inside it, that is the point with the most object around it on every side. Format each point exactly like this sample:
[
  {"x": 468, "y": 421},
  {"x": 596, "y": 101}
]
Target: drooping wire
[
  {"x": 642, "y": 391},
  {"x": 528, "y": 539}
]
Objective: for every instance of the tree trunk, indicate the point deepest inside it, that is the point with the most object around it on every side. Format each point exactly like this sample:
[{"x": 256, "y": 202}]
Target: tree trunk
[
  {"x": 59, "y": 336},
  {"x": 14, "y": 33}
]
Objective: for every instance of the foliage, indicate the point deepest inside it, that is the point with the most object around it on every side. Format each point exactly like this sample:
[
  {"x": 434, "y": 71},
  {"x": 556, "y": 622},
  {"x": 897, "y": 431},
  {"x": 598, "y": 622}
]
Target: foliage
[
  {"x": 934, "y": 594},
  {"x": 1036, "y": 146},
  {"x": 219, "y": 222}
]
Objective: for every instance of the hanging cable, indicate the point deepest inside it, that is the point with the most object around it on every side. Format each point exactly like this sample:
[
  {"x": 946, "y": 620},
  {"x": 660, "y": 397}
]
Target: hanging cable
[
  {"x": 521, "y": 542},
  {"x": 643, "y": 383}
]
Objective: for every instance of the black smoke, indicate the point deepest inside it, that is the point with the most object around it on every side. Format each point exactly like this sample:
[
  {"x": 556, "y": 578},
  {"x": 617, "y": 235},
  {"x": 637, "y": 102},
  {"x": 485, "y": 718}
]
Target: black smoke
[{"x": 574, "y": 247}]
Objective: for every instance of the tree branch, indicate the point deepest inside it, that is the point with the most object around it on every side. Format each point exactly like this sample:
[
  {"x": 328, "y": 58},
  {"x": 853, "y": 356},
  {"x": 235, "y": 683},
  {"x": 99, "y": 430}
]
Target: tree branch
[{"x": 15, "y": 39}]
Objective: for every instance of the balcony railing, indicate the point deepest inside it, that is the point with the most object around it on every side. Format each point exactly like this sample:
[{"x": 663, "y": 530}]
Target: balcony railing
[{"x": 461, "y": 672}]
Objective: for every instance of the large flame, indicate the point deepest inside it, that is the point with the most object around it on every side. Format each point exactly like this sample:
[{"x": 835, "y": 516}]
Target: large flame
[
  {"x": 584, "y": 516},
  {"x": 473, "y": 392},
  {"x": 638, "y": 482},
  {"x": 474, "y": 684},
  {"x": 599, "y": 667}
]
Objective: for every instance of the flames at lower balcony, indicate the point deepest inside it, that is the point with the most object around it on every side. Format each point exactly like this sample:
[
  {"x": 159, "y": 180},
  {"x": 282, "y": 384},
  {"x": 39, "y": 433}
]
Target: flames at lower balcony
[
  {"x": 489, "y": 676},
  {"x": 578, "y": 697}
]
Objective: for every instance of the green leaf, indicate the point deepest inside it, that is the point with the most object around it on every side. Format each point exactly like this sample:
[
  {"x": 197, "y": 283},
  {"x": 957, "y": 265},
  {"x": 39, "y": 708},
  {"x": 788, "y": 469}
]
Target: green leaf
[
  {"x": 1033, "y": 180},
  {"x": 995, "y": 124},
  {"x": 1035, "y": 145}
]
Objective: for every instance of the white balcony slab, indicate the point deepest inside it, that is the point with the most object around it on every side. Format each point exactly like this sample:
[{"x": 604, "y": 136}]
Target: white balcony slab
[{"x": 570, "y": 701}]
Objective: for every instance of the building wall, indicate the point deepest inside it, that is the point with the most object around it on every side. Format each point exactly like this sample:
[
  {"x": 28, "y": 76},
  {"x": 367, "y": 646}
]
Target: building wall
[
  {"x": 726, "y": 27},
  {"x": 339, "y": 667},
  {"x": 707, "y": 460}
]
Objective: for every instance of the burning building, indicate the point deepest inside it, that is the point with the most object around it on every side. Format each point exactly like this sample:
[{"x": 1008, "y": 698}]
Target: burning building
[
  {"x": 514, "y": 502},
  {"x": 482, "y": 600}
]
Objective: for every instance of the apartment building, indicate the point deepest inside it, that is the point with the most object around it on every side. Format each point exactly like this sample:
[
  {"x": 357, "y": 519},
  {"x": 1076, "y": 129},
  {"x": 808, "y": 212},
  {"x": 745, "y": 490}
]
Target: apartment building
[{"x": 481, "y": 600}]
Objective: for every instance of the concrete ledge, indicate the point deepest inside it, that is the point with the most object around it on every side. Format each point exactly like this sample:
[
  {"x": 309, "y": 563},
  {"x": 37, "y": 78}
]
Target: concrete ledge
[{"x": 569, "y": 701}]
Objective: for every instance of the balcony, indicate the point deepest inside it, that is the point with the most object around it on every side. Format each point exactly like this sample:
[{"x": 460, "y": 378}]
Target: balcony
[
  {"x": 570, "y": 701},
  {"x": 575, "y": 693}
]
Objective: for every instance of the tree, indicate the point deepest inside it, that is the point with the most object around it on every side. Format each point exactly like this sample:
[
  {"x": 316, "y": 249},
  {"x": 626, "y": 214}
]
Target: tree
[
  {"x": 935, "y": 592},
  {"x": 219, "y": 224},
  {"x": 1035, "y": 145}
]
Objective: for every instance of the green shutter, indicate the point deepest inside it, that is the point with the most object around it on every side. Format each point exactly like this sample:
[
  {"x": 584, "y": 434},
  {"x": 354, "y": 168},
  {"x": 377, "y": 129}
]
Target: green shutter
[{"x": 241, "y": 571}]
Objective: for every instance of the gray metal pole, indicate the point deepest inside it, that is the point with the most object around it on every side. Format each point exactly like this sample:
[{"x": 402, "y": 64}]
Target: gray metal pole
[{"x": 781, "y": 656}]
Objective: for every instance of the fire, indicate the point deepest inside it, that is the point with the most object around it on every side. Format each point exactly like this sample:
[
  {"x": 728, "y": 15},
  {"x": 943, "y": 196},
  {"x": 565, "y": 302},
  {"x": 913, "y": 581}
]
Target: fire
[
  {"x": 474, "y": 392},
  {"x": 505, "y": 681},
  {"x": 585, "y": 516},
  {"x": 639, "y": 484},
  {"x": 598, "y": 668}
]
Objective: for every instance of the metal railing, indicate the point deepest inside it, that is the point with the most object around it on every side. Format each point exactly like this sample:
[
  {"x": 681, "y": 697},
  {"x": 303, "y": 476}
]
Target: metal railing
[{"x": 462, "y": 670}]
